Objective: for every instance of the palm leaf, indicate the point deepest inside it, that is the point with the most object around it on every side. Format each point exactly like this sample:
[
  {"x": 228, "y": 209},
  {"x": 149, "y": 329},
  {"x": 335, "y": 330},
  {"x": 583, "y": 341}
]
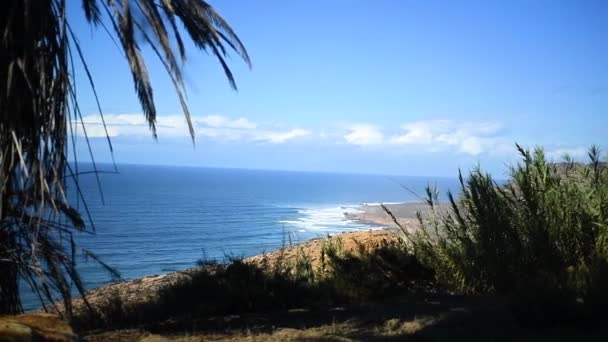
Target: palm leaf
[{"x": 39, "y": 106}]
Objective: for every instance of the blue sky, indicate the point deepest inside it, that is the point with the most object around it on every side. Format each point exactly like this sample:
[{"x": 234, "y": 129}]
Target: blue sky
[{"x": 395, "y": 87}]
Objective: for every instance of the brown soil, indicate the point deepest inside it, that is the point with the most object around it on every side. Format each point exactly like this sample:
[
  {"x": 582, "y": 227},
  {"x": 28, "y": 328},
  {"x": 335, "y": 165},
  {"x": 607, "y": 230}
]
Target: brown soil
[{"x": 349, "y": 242}]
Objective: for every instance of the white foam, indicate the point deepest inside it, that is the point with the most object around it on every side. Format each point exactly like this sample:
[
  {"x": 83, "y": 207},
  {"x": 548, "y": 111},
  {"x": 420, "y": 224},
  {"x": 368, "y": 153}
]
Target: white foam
[
  {"x": 375, "y": 204},
  {"x": 330, "y": 219}
]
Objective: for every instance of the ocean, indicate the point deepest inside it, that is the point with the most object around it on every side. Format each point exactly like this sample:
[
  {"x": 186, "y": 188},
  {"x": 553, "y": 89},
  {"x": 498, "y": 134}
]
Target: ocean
[{"x": 159, "y": 219}]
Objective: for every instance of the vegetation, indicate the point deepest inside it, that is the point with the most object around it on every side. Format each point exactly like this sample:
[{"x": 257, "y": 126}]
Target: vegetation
[
  {"x": 39, "y": 111},
  {"x": 504, "y": 259},
  {"x": 376, "y": 272},
  {"x": 540, "y": 241},
  {"x": 277, "y": 301},
  {"x": 238, "y": 286}
]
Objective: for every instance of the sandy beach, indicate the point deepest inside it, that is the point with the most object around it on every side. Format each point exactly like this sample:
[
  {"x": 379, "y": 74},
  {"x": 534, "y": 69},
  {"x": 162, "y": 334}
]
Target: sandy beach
[{"x": 404, "y": 212}]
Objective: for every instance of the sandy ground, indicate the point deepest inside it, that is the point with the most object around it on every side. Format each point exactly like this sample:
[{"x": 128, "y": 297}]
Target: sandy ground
[
  {"x": 349, "y": 242},
  {"x": 404, "y": 212}
]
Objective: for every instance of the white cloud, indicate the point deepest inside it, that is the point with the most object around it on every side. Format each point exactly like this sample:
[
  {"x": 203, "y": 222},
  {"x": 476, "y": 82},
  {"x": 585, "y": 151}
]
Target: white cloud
[
  {"x": 223, "y": 134},
  {"x": 420, "y": 132},
  {"x": 447, "y": 136},
  {"x": 219, "y": 121},
  {"x": 97, "y": 130},
  {"x": 130, "y": 125},
  {"x": 434, "y": 135},
  {"x": 281, "y": 137},
  {"x": 577, "y": 153},
  {"x": 364, "y": 135},
  {"x": 471, "y": 145},
  {"x": 214, "y": 127}
]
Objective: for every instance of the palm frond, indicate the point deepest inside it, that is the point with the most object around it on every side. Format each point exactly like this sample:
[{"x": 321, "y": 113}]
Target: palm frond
[{"x": 38, "y": 106}]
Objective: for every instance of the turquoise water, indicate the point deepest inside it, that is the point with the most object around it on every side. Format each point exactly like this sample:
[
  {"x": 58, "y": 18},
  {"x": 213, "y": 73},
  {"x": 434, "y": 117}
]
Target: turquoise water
[{"x": 158, "y": 219}]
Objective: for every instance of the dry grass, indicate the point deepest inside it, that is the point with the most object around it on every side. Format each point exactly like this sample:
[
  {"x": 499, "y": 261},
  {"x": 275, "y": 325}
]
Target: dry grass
[
  {"x": 330, "y": 333},
  {"x": 438, "y": 318},
  {"x": 349, "y": 243},
  {"x": 326, "y": 334},
  {"x": 140, "y": 291},
  {"x": 335, "y": 332},
  {"x": 397, "y": 327}
]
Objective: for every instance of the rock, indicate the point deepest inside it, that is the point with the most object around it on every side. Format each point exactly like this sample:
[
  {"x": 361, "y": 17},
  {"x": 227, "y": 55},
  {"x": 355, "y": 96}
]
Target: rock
[{"x": 35, "y": 328}]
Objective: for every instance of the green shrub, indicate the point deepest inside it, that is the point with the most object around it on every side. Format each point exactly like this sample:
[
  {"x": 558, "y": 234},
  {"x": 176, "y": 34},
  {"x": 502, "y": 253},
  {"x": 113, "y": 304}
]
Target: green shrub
[
  {"x": 373, "y": 272},
  {"x": 236, "y": 287},
  {"x": 540, "y": 240}
]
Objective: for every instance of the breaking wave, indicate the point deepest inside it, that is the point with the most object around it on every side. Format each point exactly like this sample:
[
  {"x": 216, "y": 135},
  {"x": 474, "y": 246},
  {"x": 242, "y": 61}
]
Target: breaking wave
[{"x": 328, "y": 220}]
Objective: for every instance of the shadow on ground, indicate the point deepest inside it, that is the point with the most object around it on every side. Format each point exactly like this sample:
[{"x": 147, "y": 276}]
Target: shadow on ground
[{"x": 436, "y": 318}]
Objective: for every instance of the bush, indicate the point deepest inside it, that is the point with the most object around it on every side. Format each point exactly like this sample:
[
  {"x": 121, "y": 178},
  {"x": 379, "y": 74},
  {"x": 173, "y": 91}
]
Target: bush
[
  {"x": 373, "y": 272},
  {"x": 540, "y": 240},
  {"x": 286, "y": 281},
  {"x": 237, "y": 286}
]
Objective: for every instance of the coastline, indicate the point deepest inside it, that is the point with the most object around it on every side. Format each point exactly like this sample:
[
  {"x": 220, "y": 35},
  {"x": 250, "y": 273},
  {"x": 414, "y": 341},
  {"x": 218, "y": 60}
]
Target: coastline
[
  {"x": 405, "y": 213},
  {"x": 146, "y": 289},
  {"x": 138, "y": 292}
]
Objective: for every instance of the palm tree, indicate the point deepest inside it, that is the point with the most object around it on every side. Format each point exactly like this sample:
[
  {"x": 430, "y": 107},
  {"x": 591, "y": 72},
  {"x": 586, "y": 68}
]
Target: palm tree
[{"x": 38, "y": 105}]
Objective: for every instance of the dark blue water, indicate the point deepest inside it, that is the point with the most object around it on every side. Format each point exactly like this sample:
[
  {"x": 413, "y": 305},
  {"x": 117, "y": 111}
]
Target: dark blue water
[{"x": 158, "y": 219}]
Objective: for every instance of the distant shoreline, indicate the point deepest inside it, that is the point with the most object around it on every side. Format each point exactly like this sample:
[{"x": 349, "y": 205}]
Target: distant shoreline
[{"x": 405, "y": 213}]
